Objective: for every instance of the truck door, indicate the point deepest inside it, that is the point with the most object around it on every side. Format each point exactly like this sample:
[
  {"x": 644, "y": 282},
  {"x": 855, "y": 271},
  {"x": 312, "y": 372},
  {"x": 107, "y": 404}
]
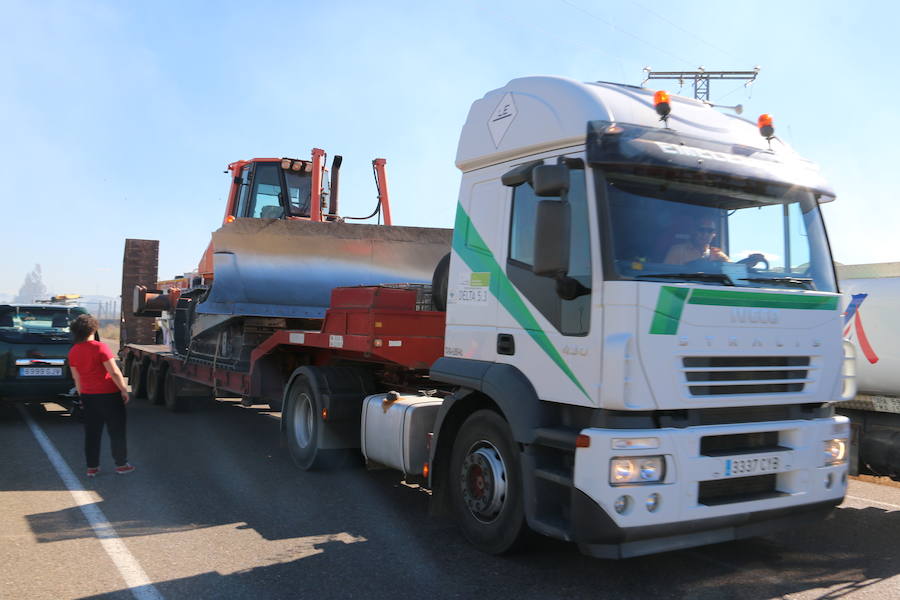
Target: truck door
[{"x": 545, "y": 334}]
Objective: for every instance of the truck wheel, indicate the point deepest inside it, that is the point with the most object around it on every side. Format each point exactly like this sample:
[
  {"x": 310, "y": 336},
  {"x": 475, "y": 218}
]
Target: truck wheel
[
  {"x": 156, "y": 383},
  {"x": 127, "y": 364},
  {"x": 303, "y": 426},
  {"x": 440, "y": 281},
  {"x": 174, "y": 402},
  {"x": 137, "y": 377},
  {"x": 485, "y": 481}
]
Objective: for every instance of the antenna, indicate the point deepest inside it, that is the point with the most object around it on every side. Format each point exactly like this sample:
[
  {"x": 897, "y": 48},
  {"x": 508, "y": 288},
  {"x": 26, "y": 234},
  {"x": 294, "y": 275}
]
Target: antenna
[{"x": 701, "y": 78}]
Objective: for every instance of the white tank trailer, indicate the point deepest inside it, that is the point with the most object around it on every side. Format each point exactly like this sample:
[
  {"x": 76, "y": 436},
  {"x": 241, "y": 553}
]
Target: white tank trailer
[{"x": 872, "y": 323}]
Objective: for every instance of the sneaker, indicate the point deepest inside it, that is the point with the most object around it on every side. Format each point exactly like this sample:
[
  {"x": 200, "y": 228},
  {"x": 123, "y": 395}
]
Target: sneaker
[
  {"x": 125, "y": 469},
  {"x": 92, "y": 471}
]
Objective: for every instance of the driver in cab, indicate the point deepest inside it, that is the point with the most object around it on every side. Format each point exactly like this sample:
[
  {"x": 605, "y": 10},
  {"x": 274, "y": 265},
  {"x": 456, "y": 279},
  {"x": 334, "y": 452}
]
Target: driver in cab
[{"x": 697, "y": 247}]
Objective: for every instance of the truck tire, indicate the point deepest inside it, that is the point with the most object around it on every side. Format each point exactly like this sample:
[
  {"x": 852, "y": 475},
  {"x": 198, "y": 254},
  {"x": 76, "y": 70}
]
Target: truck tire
[
  {"x": 137, "y": 378},
  {"x": 174, "y": 401},
  {"x": 303, "y": 424},
  {"x": 156, "y": 383},
  {"x": 440, "y": 281},
  {"x": 127, "y": 364},
  {"x": 485, "y": 480}
]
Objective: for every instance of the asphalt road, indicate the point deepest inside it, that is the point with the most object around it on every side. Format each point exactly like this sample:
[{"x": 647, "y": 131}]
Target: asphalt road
[{"x": 217, "y": 510}]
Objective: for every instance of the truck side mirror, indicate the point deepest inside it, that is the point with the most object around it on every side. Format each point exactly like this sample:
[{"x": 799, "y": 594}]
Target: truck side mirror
[
  {"x": 519, "y": 175},
  {"x": 551, "y": 238},
  {"x": 550, "y": 180}
]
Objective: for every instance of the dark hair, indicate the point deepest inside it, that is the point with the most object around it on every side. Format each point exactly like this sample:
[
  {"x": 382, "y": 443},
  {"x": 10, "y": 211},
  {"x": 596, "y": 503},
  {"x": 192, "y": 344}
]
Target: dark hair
[{"x": 83, "y": 327}]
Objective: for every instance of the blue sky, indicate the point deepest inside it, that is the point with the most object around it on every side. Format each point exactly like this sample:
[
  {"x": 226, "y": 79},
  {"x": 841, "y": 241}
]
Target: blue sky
[{"x": 119, "y": 117}]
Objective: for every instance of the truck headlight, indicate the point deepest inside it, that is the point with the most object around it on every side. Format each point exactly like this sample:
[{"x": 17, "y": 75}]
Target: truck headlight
[
  {"x": 835, "y": 452},
  {"x": 638, "y": 469}
]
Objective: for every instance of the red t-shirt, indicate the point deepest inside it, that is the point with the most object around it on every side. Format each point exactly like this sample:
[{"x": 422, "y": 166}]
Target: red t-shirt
[{"x": 88, "y": 358}]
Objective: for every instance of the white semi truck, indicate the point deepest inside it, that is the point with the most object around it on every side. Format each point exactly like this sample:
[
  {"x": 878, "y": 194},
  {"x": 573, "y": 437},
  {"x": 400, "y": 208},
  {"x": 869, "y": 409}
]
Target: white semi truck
[
  {"x": 871, "y": 322},
  {"x": 619, "y": 382},
  {"x": 636, "y": 344}
]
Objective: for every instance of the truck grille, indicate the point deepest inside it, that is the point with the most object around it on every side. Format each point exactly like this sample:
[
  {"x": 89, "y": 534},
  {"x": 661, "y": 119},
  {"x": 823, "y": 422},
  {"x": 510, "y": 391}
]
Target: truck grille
[
  {"x": 741, "y": 375},
  {"x": 737, "y": 489}
]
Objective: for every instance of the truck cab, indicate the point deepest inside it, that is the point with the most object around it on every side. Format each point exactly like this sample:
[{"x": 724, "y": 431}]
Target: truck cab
[
  {"x": 34, "y": 344},
  {"x": 649, "y": 302}
]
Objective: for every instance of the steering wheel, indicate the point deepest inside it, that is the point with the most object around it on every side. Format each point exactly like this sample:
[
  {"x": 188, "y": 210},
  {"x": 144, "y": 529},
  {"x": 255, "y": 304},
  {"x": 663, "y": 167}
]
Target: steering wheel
[{"x": 753, "y": 260}]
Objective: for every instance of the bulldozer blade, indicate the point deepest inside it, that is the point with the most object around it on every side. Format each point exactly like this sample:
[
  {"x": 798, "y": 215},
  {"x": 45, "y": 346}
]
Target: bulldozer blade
[{"x": 280, "y": 268}]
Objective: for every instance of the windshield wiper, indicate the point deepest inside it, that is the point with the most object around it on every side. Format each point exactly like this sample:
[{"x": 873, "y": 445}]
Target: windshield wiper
[
  {"x": 805, "y": 282},
  {"x": 718, "y": 277}
]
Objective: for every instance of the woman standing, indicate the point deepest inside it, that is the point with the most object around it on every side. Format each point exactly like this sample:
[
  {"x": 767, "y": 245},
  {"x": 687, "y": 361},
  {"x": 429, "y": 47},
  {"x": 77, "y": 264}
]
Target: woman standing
[{"x": 103, "y": 395}]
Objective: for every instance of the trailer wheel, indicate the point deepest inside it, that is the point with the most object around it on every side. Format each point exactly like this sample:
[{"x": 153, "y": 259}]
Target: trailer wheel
[
  {"x": 127, "y": 364},
  {"x": 303, "y": 426},
  {"x": 156, "y": 383},
  {"x": 137, "y": 377},
  {"x": 174, "y": 402},
  {"x": 486, "y": 484}
]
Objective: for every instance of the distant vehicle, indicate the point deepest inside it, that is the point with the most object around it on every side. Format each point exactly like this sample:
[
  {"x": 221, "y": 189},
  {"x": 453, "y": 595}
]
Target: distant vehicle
[
  {"x": 871, "y": 322},
  {"x": 34, "y": 344}
]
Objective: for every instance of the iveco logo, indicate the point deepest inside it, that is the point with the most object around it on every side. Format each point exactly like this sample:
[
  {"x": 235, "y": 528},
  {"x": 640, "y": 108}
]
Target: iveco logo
[{"x": 762, "y": 316}]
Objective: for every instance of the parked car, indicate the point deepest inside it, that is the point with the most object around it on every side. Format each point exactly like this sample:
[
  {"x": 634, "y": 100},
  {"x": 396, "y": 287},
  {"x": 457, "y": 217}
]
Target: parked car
[{"x": 34, "y": 344}]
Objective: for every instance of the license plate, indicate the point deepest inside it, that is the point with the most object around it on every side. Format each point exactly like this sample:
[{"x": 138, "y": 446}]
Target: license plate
[
  {"x": 40, "y": 371},
  {"x": 742, "y": 467}
]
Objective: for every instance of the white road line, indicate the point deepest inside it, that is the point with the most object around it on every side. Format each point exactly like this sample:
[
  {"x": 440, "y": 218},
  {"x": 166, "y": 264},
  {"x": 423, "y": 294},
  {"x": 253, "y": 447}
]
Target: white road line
[
  {"x": 889, "y": 505},
  {"x": 135, "y": 577}
]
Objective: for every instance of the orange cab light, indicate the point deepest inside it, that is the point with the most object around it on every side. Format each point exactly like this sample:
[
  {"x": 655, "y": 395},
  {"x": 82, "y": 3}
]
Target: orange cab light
[
  {"x": 766, "y": 126},
  {"x": 583, "y": 441},
  {"x": 425, "y": 470},
  {"x": 324, "y": 414},
  {"x": 661, "y": 102},
  {"x": 229, "y": 219}
]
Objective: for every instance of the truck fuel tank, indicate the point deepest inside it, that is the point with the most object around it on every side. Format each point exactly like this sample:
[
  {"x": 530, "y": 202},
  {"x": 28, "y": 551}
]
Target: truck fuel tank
[{"x": 395, "y": 430}]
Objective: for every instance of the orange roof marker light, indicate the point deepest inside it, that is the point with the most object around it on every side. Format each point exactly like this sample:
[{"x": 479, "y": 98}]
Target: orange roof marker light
[
  {"x": 766, "y": 126},
  {"x": 229, "y": 219},
  {"x": 661, "y": 103}
]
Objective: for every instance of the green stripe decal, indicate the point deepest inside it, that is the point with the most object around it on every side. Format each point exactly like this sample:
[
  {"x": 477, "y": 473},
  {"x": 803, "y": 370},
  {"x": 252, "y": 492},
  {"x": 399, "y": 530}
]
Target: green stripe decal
[
  {"x": 668, "y": 310},
  {"x": 760, "y": 300},
  {"x": 480, "y": 259}
]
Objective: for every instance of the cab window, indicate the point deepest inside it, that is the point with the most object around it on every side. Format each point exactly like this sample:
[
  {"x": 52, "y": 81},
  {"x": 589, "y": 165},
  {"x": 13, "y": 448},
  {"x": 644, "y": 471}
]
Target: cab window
[{"x": 266, "y": 194}]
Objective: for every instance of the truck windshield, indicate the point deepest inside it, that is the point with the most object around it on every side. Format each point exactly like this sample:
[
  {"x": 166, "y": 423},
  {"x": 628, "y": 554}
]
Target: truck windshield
[{"x": 742, "y": 233}]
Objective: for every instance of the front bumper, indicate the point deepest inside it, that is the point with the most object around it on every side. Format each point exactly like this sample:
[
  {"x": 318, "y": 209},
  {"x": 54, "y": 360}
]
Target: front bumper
[
  {"x": 36, "y": 389},
  {"x": 803, "y": 489}
]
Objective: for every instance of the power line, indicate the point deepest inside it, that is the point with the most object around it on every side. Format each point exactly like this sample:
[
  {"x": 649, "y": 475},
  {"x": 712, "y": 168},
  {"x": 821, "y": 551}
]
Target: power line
[
  {"x": 564, "y": 39},
  {"x": 680, "y": 28},
  {"x": 624, "y": 31}
]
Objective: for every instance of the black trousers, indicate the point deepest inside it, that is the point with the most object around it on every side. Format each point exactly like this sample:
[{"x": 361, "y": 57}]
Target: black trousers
[{"x": 100, "y": 410}]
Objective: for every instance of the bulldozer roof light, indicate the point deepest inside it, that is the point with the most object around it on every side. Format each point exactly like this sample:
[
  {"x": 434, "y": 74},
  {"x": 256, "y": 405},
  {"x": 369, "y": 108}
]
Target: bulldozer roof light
[
  {"x": 229, "y": 219},
  {"x": 661, "y": 103},
  {"x": 766, "y": 126},
  {"x": 285, "y": 163}
]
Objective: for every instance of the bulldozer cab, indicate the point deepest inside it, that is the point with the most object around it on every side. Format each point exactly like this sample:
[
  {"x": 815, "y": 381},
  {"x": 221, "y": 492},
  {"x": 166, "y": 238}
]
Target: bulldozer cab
[{"x": 268, "y": 190}]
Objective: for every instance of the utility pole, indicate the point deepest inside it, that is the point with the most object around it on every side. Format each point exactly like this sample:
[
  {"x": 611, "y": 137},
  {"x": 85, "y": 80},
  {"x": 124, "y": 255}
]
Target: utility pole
[{"x": 701, "y": 77}]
